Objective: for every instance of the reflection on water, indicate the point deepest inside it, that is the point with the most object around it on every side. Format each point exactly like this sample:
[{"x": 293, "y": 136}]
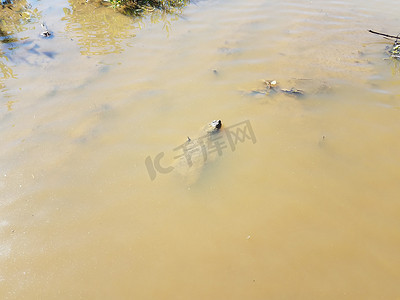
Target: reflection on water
[
  {"x": 98, "y": 30},
  {"x": 14, "y": 18},
  {"x": 6, "y": 71},
  {"x": 395, "y": 67},
  {"x": 165, "y": 18},
  {"x": 95, "y": 28},
  {"x": 10, "y": 105}
]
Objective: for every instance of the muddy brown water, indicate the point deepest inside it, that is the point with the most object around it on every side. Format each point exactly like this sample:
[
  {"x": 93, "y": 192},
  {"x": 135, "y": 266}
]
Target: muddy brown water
[{"x": 308, "y": 209}]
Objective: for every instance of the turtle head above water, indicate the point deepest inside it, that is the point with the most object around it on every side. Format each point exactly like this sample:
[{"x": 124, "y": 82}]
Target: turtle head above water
[{"x": 215, "y": 126}]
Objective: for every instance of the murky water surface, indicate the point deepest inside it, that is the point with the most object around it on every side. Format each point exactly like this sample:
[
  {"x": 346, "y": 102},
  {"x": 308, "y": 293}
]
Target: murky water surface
[{"x": 295, "y": 198}]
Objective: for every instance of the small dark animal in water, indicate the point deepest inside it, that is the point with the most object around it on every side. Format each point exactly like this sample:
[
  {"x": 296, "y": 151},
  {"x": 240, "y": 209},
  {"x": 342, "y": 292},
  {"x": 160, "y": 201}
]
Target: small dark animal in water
[
  {"x": 46, "y": 32},
  {"x": 215, "y": 125}
]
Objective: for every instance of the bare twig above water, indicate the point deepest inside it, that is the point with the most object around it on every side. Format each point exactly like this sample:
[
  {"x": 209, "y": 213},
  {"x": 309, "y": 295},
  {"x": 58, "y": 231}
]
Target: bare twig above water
[
  {"x": 384, "y": 34},
  {"x": 395, "y": 51}
]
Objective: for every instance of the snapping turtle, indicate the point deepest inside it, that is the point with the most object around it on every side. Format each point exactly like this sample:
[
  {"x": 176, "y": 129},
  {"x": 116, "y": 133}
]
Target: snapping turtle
[{"x": 195, "y": 153}]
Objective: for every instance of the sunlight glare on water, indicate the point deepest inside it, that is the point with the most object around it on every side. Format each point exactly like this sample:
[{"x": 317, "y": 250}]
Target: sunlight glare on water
[{"x": 307, "y": 208}]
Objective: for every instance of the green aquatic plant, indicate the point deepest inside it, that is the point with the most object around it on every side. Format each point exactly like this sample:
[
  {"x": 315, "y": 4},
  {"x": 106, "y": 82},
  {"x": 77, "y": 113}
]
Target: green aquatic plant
[
  {"x": 140, "y": 7},
  {"x": 395, "y": 52}
]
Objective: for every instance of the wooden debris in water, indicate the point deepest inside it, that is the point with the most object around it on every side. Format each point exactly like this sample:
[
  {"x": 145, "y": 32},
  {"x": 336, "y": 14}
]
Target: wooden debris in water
[
  {"x": 293, "y": 92},
  {"x": 272, "y": 87},
  {"x": 395, "y": 52}
]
